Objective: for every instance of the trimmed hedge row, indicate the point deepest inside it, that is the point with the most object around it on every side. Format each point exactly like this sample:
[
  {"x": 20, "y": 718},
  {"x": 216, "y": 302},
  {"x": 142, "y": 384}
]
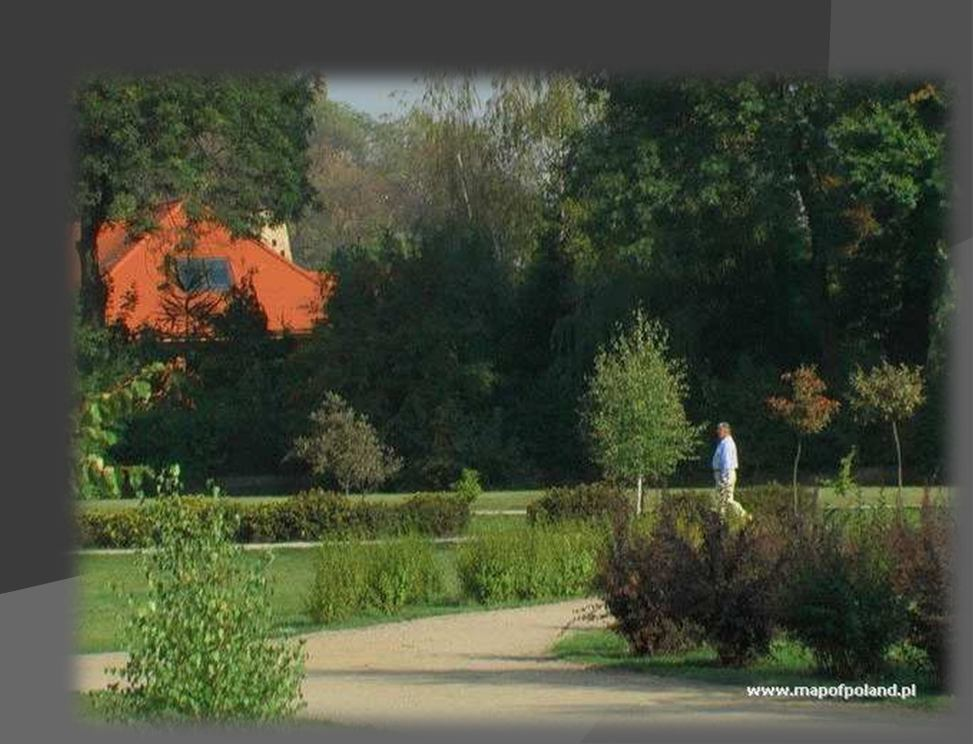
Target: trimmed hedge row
[{"x": 308, "y": 516}]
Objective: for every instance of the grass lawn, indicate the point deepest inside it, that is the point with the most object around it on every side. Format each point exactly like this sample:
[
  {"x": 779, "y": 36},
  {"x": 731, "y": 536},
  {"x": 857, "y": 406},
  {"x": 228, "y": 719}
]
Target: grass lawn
[
  {"x": 105, "y": 582},
  {"x": 788, "y": 664}
]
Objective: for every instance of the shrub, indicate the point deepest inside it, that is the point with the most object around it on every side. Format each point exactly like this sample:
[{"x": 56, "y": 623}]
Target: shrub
[
  {"x": 635, "y": 581},
  {"x": 542, "y": 562},
  {"x": 587, "y": 501},
  {"x": 340, "y": 586},
  {"x": 777, "y": 501},
  {"x": 687, "y": 576},
  {"x": 840, "y": 600},
  {"x": 922, "y": 574},
  {"x": 742, "y": 575},
  {"x": 351, "y": 577},
  {"x": 467, "y": 486},
  {"x": 199, "y": 646},
  {"x": 437, "y": 514},
  {"x": 404, "y": 571}
]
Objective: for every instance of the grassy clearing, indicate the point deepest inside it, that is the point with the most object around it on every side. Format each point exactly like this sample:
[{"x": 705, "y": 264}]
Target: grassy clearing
[{"x": 788, "y": 664}]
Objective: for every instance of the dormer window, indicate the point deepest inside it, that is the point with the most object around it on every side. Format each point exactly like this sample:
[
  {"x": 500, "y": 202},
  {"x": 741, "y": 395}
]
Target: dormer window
[{"x": 203, "y": 274}]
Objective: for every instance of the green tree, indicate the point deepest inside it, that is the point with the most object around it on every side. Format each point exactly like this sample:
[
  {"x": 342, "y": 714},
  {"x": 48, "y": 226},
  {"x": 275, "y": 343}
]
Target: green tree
[
  {"x": 807, "y": 411},
  {"x": 890, "y": 393},
  {"x": 233, "y": 148},
  {"x": 344, "y": 445},
  {"x": 634, "y": 409}
]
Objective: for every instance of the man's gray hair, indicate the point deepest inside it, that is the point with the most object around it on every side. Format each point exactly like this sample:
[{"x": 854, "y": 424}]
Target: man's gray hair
[{"x": 723, "y": 425}]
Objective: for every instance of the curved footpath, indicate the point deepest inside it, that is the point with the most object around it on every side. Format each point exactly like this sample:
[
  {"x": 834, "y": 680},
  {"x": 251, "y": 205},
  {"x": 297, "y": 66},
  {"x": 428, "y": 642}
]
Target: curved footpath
[{"x": 492, "y": 668}]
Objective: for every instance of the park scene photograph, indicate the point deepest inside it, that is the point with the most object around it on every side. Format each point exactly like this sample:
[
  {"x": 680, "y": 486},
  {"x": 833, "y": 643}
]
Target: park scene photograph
[{"x": 482, "y": 398}]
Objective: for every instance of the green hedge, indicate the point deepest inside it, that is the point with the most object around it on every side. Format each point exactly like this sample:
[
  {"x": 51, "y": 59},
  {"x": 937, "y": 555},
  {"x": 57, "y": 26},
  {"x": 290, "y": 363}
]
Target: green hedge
[
  {"x": 308, "y": 516},
  {"x": 585, "y": 502}
]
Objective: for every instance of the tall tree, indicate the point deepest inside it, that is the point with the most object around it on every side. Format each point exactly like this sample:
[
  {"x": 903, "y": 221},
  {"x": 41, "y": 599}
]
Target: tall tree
[{"x": 232, "y": 148}]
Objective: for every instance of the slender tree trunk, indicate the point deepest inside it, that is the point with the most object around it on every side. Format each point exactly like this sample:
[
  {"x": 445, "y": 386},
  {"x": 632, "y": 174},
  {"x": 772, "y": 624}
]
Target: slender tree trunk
[
  {"x": 638, "y": 501},
  {"x": 797, "y": 459},
  {"x": 898, "y": 452}
]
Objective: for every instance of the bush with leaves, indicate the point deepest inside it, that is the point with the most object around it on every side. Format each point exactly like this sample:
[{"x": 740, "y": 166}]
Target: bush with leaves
[
  {"x": 352, "y": 577},
  {"x": 840, "y": 599},
  {"x": 200, "y": 645},
  {"x": 589, "y": 501},
  {"x": 343, "y": 445},
  {"x": 688, "y": 577},
  {"x": 922, "y": 573},
  {"x": 542, "y": 562},
  {"x": 467, "y": 486},
  {"x": 647, "y": 584}
]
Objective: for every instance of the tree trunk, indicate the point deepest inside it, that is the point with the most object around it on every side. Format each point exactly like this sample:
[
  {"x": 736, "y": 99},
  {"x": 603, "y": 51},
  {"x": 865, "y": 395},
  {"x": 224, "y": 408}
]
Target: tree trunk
[
  {"x": 898, "y": 452},
  {"x": 638, "y": 501},
  {"x": 797, "y": 459},
  {"x": 93, "y": 292},
  {"x": 462, "y": 184}
]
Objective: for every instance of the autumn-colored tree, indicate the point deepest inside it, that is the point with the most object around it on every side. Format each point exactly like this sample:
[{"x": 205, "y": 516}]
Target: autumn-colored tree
[
  {"x": 889, "y": 393},
  {"x": 807, "y": 411}
]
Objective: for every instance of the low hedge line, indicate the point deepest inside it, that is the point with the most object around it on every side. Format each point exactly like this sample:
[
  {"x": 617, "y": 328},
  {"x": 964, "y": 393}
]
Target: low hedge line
[
  {"x": 308, "y": 516},
  {"x": 596, "y": 501}
]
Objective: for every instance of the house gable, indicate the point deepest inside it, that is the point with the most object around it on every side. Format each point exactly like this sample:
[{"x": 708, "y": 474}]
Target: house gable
[{"x": 141, "y": 285}]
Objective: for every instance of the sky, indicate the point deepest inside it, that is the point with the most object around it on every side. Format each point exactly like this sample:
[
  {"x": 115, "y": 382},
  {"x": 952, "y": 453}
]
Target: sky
[{"x": 371, "y": 93}]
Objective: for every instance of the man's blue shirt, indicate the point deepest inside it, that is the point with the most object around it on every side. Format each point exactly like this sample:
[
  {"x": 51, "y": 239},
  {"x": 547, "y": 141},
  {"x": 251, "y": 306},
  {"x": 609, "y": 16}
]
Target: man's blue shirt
[{"x": 725, "y": 457}]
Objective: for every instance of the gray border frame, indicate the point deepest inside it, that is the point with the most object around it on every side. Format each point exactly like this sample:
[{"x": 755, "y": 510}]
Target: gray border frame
[{"x": 843, "y": 36}]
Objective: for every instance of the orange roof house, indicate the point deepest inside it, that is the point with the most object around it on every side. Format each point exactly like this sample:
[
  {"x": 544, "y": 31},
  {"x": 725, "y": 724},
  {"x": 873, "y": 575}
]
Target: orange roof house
[{"x": 175, "y": 267}]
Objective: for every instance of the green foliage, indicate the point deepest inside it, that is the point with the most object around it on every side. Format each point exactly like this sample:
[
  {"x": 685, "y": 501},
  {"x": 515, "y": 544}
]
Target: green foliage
[
  {"x": 308, "y": 516},
  {"x": 540, "y": 562},
  {"x": 340, "y": 586},
  {"x": 840, "y": 601},
  {"x": 844, "y": 483},
  {"x": 468, "y": 487},
  {"x": 353, "y": 577},
  {"x": 200, "y": 646},
  {"x": 594, "y": 501},
  {"x": 232, "y": 147},
  {"x": 344, "y": 445},
  {"x": 887, "y": 392},
  {"x": 635, "y": 413},
  {"x": 99, "y": 419}
]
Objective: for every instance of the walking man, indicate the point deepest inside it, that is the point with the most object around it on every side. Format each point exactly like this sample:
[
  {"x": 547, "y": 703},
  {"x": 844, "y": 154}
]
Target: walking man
[{"x": 725, "y": 471}]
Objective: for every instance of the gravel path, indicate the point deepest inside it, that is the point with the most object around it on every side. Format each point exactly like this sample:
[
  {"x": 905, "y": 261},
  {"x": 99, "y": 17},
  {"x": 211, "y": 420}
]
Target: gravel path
[{"x": 492, "y": 668}]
